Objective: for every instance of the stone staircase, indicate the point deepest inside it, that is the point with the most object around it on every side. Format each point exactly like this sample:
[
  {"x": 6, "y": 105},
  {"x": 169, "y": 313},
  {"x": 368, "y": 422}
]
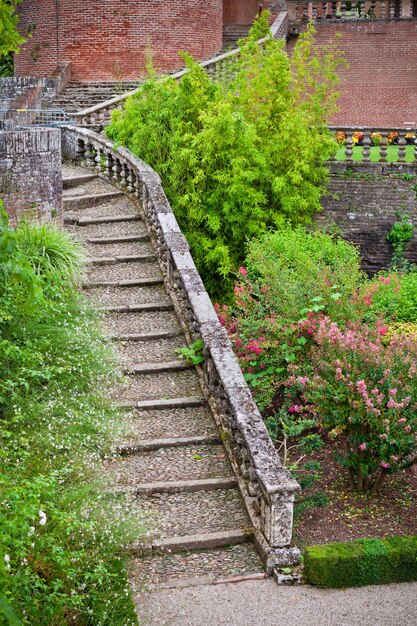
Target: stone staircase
[
  {"x": 232, "y": 33},
  {"x": 173, "y": 462},
  {"x": 82, "y": 95}
]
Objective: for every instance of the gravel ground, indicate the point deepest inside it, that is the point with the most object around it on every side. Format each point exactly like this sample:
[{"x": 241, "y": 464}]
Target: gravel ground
[
  {"x": 116, "y": 229},
  {"x": 169, "y": 423},
  {"x": 189, "y": 513},
  {"x": 263, "y": 603},
  {"x": 125, "y": 271},
  {"x": 143, "y": 322},
  {"x": 230, "y": 561},
  {"x": 170, "y": 464},
  {"x": 157, "y": 386},
  {"x": 115, "y": 296},
  {"x": 96, "y": 251},
  {"x": 160, "y": 350}
]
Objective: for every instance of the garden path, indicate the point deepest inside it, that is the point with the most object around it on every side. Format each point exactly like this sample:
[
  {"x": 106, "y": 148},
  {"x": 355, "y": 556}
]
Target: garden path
[{"x": 173, "y": 463}]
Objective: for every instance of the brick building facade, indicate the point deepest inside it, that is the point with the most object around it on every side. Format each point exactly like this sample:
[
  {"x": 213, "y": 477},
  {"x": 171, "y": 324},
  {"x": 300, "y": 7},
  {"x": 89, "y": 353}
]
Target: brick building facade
[{"x": 108, "y": 39}]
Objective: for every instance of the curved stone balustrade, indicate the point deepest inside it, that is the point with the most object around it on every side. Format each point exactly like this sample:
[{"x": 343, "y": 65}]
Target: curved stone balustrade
[
  {"x": 356, "y": 144},
  {"x": 266, "y": 486},
  {"x": 342, "y": 10}
]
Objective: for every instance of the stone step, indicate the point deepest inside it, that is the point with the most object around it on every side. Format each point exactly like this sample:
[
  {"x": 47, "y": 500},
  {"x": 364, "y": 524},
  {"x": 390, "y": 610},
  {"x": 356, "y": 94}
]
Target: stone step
[
  {"x": 167, "y": 422},
  {"x": 108, "y": 230},
  {"x": 90, "y": 200},
  {"x": 76, "y": 181},
  {"x": 154, "y": 368},
  {"x": 124, "y": 217},
  {"x": 153, "y": 295},
  {"x": 201, "y": 461},
  {"x": 145, "y": 351},
  {"x": 203, "y": 541},
  {"x": 140, "y": 282},
  {"x": 141, "y": 247},
  {"x": 150, "y": 336},
  {"x": 126, "y": 258},
  {"x": 105, "y": 211},
  {"x": 203, "y": 567},
  {"x": 153, "y": 322},
  {"x": 185, "y": 486},
  {"x": 117, "y": 240},
  {"x": 164, "y": 403},
  {"x": 169, "y": 442},
  {"x": 125, "y": 270},
  {"x": 158, "y": 385},
  {"x": 136, "y": 308}
]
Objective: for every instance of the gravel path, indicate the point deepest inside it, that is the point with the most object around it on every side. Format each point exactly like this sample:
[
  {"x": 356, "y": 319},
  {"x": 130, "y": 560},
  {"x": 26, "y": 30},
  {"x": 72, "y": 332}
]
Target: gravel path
[
  {"x": 169, "y": 423},
  {"x": 116, "y": 296},
  {"x": 263, "y": 603},
  {"x": 144, "y": 322}
]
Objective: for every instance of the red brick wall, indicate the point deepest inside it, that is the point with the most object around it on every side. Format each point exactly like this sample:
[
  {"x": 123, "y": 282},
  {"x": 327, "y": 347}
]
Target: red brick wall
[
  {"x": 108, "y": 39},
  {"x": 380, "y": 86},
  {"x": 240, "y": 11}
]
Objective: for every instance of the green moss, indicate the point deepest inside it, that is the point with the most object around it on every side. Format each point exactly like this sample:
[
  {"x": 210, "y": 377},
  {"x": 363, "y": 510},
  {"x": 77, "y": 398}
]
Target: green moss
[{"x": 362, "y": 562}]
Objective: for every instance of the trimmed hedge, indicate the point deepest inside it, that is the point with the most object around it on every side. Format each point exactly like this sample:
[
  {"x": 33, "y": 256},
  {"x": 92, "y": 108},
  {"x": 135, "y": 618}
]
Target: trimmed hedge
[{"x": 362, "y": 562}]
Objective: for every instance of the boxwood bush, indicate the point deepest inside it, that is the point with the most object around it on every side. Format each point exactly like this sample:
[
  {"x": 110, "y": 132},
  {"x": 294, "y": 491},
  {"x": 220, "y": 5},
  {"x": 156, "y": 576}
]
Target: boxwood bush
[{"x": 362, "y": 562}]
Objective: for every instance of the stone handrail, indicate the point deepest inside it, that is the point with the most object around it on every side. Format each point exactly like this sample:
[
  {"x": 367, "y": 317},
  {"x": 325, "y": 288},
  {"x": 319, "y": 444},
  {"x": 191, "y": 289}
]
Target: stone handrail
[
  {"x": 267, "y": 487},
  {"x": 220, "y": 68},
  {"x": 355, "y": 10},
  {"x": 362, "y": 139}
]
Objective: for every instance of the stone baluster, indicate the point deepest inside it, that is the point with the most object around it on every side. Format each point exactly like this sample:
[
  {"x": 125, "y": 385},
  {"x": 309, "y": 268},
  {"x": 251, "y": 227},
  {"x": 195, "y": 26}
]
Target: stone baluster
[
  {"x": 383, "y": 147},
  {"x": 313, "y": 9},
  {"x": 80, "y": 150},
  {"x": 98, "y": 159},
  {"x": 401, "y": 147},
  {"x": 372, "y": 8},
  {"x": 415, "y": 152},
  {"x": 90, "y": 155},
  {"x": 382, "y": 10},
  {"x": 304, "y": 9},
  {"x": 116, "y": 169},
  {"x": 123, "y": 175},
  {"x": 391, "y": 9},
  {"x": 349, "y": 146},
  {"x": 131, "y": 180},
  {"x": 108, "y": 165},
  {"x": 366, "y": 151}
]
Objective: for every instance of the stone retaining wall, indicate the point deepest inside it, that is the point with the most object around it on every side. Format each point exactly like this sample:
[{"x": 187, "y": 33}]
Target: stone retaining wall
[
  {"x": 266, "y": 486},
  {"x": 30, "y": 173},
  {"x": 364, "y": 207}
]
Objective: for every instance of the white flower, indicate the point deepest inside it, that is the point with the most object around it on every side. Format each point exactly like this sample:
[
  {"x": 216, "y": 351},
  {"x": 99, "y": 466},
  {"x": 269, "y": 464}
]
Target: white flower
[
  {"x": 7, "y": 558},
  {"x": 42, "y": 518},
  {"x": 31, "y": 531}
]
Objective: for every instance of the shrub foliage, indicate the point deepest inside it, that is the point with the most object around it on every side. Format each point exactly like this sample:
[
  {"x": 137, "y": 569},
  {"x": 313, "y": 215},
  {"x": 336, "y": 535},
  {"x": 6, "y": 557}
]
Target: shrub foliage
[{"x": 237, "y": 157}]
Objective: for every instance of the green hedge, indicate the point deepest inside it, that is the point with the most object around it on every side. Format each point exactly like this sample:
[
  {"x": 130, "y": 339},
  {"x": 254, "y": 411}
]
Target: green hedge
[{"x": 362, "y": 562}]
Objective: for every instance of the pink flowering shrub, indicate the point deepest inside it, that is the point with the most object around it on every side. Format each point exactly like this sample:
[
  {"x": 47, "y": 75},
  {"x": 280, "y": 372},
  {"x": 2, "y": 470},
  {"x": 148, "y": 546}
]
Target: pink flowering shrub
[{"x": 363, "y": 393}]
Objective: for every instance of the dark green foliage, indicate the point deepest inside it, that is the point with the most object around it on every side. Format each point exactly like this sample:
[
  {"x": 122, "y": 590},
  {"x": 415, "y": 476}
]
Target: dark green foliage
[
  {"x": 6, "y": 65},
  {"x": 63, "y": 539},
  {"x": 240, "y": 157},
  {"x": 362, "y": 562}
]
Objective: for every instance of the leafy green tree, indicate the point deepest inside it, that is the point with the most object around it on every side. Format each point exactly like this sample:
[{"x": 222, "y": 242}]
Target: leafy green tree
[
  {"x": 10, "y": 39},
  {"x": 242, "y": 156}
]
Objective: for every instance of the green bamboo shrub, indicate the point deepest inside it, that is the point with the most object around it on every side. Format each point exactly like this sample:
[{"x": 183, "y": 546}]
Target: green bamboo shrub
[{"x": 240, "y": 157}]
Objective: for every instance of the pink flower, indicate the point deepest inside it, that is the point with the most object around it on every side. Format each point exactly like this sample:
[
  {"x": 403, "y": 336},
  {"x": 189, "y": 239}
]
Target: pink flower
[
  {"x": 294, "y": 409},
  {"x": 363, "y": 446},
  {"x": 385, "y": 465},
  {"x": 243, "y": 271},
  {"x": 382, "y": 330},
  {"x": 392, "y": 392}
]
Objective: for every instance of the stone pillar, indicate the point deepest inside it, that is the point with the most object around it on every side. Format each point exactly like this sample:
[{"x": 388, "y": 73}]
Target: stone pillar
[{"x": 31, "y": 174}]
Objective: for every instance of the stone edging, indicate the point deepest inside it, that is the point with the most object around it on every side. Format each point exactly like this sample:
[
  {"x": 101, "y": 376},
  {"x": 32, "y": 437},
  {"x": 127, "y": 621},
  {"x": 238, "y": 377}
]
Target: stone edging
[{"x": 266, "y": 486}]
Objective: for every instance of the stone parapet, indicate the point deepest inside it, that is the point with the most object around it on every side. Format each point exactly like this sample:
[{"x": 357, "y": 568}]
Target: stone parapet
[
  {"x": 30, "y": 173},
  {"x": 267, "y": 488}
]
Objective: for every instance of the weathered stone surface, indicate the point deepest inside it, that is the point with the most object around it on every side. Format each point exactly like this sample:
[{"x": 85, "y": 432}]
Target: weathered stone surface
[{"x": 30, "y": 173}]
